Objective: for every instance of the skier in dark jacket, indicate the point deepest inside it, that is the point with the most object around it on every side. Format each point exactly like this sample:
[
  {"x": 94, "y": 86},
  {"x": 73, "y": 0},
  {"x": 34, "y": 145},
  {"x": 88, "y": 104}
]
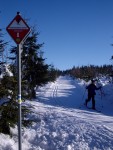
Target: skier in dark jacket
[{"x": 91, "y": 93}]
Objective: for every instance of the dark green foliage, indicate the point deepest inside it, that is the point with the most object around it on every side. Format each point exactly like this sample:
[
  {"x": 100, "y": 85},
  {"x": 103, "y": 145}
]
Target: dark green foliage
[
  {"x": 9, "y": 116},
  {"x": 9, "y": 105},
  {"x": 34, "y": 69},
  {"x": 89, "y": 72},
  {"x": 8, "y": 108},
  {"x": 54, "y": 73}
]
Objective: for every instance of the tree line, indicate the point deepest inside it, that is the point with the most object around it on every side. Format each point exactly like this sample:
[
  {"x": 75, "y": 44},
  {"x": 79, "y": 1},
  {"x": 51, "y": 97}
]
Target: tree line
[{"x": 90, "y": 71}]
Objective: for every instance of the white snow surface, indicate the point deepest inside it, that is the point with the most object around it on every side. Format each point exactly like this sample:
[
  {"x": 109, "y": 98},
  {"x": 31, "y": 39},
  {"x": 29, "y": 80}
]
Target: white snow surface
[
  {"x": 5, "y": 69},
  {"x": 61, "y": 121}
]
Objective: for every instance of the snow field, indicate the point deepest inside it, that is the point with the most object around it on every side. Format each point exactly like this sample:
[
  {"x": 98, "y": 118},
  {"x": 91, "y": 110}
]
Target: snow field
[{"x": 61, "y": 124}]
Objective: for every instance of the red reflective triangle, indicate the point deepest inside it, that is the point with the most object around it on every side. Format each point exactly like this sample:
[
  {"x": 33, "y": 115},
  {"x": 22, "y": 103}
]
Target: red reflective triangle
[{"x": 18, "y": 29}]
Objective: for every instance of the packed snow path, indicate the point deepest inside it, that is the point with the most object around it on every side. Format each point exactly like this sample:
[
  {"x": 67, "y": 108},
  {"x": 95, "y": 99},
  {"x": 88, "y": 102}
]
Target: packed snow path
[
  {"x": 63, "y": 92},
  {"x": 60, "y": 124}
]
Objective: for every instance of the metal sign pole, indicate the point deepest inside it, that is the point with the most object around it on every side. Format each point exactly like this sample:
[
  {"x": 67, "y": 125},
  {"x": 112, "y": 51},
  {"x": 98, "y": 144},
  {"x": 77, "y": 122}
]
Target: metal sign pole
[
  {"x": 19, "y": 96},
  {"x": 18, "y": 30}
]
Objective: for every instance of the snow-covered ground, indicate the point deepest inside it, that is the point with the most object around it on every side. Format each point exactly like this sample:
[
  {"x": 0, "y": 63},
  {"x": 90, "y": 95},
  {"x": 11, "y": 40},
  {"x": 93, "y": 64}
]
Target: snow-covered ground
[{"x": 61, "y": 121}]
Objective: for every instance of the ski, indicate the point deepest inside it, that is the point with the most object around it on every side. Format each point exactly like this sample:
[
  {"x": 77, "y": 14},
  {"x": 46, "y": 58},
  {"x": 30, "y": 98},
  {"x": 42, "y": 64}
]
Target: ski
[
  {"x": 87, "y": 107},
  {"x": 93, "y": 109}
]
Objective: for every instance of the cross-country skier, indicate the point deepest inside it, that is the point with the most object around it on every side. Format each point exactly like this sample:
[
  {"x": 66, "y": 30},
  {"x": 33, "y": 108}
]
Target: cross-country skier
[{"x": 91, "y": 93}]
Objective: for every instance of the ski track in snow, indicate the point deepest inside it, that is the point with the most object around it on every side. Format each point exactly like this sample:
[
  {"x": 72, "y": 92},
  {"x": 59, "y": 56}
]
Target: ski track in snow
[{"x": 59, "y": 124}]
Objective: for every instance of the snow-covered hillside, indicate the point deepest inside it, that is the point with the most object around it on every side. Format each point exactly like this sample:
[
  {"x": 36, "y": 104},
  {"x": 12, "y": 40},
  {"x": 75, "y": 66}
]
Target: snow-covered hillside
[{"x": 61, "y": 121}]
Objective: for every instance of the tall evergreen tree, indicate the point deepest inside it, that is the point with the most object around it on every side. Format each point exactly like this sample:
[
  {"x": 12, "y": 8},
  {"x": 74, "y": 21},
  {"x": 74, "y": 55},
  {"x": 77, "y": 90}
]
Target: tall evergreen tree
[
  {"x": 8, "y": 94},
  {"x": 35, "y": 71},
  {"x": 5, "y": 93}
]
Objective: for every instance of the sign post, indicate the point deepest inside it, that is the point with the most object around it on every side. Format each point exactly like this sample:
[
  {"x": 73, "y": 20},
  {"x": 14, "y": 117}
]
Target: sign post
[
  {"x": 18, "y": 30},
  {"x": 19, "y": 97}
]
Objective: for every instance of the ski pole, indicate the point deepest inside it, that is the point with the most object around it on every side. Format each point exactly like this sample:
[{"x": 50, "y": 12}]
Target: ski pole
[
  {"x": 83, "y": 94},
  {"x": 103, "y": 92},
  {"x": 101, "y": 97}
]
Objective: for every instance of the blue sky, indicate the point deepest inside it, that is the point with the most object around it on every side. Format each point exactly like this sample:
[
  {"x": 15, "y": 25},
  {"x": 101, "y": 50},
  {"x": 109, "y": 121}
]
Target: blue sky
[{"x": 75, "y": 32}]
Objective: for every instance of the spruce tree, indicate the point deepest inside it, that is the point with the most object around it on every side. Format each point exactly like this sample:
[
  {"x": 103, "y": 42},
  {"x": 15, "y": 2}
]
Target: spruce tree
[
  {"x": 4, "y": 91},
  {"x": 35, "y": 72},
  {"x": 8, "y": 94},
  {"x": 34, "y": 69}
]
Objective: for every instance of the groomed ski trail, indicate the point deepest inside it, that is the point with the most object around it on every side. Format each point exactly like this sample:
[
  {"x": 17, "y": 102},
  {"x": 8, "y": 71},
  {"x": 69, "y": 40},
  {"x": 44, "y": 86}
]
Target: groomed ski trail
[{"x": 75, "y": 129}]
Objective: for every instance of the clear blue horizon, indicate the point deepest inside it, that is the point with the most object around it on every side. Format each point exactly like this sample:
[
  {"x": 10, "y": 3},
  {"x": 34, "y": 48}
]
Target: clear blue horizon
[{"x": 75, "y": 32}]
